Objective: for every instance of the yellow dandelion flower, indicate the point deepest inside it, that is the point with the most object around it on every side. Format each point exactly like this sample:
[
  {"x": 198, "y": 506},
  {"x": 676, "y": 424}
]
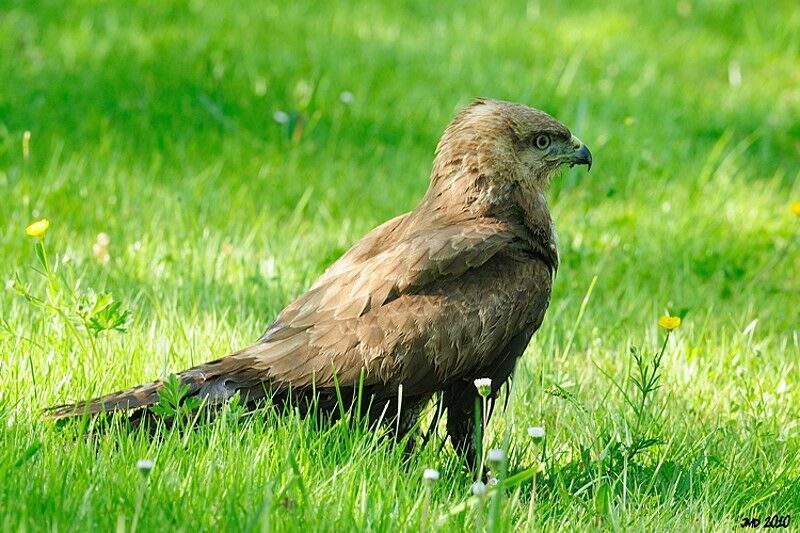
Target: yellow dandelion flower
[
  {"x": 795, "y": 208},
  {"x": 38, "y": 228},
  {"x": 669, "y": 322}
]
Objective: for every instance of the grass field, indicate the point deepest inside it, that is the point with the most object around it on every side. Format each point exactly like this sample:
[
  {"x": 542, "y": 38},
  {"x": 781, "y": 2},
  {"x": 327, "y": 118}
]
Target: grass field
[{"x": 231, "y": 152}]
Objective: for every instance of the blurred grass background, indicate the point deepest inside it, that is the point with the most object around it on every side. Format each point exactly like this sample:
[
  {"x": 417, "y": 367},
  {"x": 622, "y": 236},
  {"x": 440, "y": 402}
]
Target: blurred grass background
[{"x": 233, "y": 150}]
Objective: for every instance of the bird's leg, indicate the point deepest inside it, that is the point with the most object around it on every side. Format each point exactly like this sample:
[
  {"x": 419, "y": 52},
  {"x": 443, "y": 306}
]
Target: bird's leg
[
  {"x": 464, "y": 412},
  {"x": 400, "y": 425},
  {"x": 432, "y": 428},
  {"x": 464, "y": 405}
]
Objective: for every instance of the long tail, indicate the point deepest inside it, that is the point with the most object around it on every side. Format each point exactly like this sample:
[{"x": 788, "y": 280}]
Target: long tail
[
  {"x": 215, "y": 381},
  {"x": 125, "y": 400}
]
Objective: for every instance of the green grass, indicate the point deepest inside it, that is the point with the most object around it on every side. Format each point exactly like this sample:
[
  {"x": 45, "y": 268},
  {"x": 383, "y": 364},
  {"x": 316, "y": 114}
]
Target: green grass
[{"x": 153, "y": 122}]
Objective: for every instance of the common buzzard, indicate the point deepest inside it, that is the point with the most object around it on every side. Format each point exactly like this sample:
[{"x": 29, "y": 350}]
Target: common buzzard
[{"x": 423, "y": 304}]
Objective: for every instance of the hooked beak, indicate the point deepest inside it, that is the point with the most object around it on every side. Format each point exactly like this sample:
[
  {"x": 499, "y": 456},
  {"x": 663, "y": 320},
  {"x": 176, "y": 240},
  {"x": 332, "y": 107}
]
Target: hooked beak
[{"x": 581, "y": 155}]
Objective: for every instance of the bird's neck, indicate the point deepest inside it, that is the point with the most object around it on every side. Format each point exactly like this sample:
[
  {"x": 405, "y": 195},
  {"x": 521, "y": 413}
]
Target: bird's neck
[{"x": 494, "y": 193}]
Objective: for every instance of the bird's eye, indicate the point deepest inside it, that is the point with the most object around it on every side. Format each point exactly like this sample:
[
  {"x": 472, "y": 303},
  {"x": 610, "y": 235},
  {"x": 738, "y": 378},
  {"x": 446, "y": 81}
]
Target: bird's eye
[{"x": 542, "y": 141}]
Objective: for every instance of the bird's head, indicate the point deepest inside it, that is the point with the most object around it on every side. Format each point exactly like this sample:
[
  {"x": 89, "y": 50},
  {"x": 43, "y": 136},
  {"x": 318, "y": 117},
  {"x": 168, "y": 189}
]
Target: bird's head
[{"x": 491, "y": 143}]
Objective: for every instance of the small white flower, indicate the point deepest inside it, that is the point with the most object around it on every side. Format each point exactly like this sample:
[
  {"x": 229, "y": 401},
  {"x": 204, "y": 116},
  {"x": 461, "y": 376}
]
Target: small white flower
[
  {"x": 100, "y": 248},
  {"x": 144, "y": 466},
  {"x": 281, "y": 117},
  {"x": 484, "y": 386},
  {"x": 346, "y": 97},
  {"x": 100, "y": 253},
  {"x": 496, "y": 455},
  {"x": 478, "y": 488},
  {"x": 536, "y": 432},
  {"x": 430, "y": 475},
  {"x": 268, "y": 268}
]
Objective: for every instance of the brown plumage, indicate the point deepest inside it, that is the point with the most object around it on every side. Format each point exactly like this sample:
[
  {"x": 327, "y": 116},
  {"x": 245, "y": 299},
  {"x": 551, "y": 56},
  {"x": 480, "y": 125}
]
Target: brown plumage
[{"x": 424, "y": 303}]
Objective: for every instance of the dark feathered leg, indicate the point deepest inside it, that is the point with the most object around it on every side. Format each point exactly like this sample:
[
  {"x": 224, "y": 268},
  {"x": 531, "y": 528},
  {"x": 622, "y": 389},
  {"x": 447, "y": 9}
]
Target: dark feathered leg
[
  {"x": 402, "y": 423},
  {"x": 465, "y": 407},
  {"x": 463, "y": 404}
]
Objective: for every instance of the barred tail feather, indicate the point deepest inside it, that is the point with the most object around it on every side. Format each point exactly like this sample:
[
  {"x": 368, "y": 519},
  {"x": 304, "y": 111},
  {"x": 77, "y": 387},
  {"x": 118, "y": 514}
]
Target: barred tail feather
[
  {"x": 215, "y": 382},
  {"x": 133, "y": 398}
]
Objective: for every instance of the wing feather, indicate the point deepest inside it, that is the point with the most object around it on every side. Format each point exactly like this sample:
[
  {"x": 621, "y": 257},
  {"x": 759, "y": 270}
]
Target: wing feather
[{"x": 338, "y": 314}]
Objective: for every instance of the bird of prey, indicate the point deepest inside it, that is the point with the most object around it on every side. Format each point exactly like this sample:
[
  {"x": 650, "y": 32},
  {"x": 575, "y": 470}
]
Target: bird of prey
[{"x": 423, "y": 304}]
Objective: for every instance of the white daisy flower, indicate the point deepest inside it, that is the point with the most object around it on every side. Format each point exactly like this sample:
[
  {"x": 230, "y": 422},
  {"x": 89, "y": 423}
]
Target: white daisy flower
[
  {"x": 478, "y": 488},
  {"x": 496, "y": 455},
  {"x": 484, "y": 386},
  {"x": 346, "y": 97},
  {"x": 536, "y": 432},
  {"x": 281, "y": 117},
  {"x": 144, "y": 466},
  {"x": 430, "y": 475}
]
